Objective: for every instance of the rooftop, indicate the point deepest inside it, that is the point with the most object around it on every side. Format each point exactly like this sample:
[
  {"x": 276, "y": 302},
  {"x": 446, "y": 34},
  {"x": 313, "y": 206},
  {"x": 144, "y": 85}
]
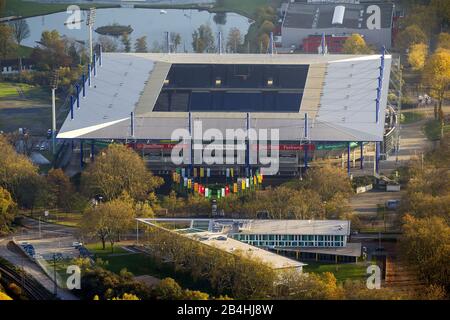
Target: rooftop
[{"x": 321, "y": 15}]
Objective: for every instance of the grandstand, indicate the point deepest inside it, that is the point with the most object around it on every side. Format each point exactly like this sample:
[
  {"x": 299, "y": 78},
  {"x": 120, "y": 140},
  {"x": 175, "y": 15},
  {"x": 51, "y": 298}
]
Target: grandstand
[{"x": 314, "y": 101}]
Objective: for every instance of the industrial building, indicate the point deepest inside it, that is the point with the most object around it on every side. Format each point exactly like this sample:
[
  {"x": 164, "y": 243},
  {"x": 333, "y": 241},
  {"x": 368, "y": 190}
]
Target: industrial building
[
  {"x": 304, "y": 20},
  {"x": 316, "y": 102},
  {"x": 317, "y": 240}
]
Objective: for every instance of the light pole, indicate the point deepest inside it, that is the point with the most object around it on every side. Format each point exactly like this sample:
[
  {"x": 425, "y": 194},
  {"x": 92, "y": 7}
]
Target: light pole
[
  {"x": 90, "y": 23},
  {"x": 54, "y": 84}
]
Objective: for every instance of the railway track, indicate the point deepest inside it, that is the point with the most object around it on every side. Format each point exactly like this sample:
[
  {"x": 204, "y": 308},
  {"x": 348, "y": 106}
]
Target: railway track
[{"x": 29, "y": 285}]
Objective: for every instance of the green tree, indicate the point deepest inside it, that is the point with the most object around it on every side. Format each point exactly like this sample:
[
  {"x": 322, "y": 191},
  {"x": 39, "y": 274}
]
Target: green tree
[
  {"x": 168, "y": 289},
  {"x": 141, "y": 44},
  {"x": 119, "y": 169}
]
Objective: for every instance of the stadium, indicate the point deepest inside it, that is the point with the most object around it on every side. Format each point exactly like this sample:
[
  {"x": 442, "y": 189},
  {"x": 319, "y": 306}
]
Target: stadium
[{"x": 316, "y": 102}]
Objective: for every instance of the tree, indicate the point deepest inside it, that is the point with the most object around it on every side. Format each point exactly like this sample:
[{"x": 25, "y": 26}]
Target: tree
[
  {"x": 411, "y": 35},
  {"x": 220, "y": 18},
  {"x": 119, "y": 169},
  {"x": 234, "y": 40},
  {"x": 126, "y": 42},
  {"x": 436, "y": 75},
  {"x": 107, "y": 221},
  {"x": 19, "y": 176},
  {"x": 7, "y": 210},
  {"x": 175, "y": 40},
  {"x": 444, "y": 40},
  {"x": 425, "y": 246},
  {"x": 52, "y": 52},
  {"x": 108, "y": 44},
  {"x": 203, "y": 39},
  {"x": 62, "y": 193},
  {"x": 168, "y": 289},
  {"x": 417, "y": 56},
  {"x": 355, "y": 44},
  {"x": 7, "y": 44},
  {"x": 20, "y": 29},
  {"x": 141, "y": 44}
]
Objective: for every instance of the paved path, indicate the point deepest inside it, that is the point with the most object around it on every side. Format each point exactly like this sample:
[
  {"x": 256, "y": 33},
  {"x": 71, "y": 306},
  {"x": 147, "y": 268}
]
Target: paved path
[{"x": 54, "y": 237}]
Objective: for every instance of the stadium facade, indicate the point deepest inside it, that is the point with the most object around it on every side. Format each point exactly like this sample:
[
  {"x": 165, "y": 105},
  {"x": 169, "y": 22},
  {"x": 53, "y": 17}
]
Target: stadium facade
[{"x": 313, "y": 101}]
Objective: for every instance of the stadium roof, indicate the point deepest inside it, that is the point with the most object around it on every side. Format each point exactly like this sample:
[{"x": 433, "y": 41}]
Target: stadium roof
[
  {"x": 320, "y": 15},
  {"x": 337, "y": 92},
  {"x": 260, "y": 226}
]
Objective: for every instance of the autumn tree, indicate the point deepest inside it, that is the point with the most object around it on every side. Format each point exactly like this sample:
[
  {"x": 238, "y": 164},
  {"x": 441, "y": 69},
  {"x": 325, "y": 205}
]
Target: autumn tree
[
  {"x": 436, "y": 75},
  {"x": 119, "y": 169},
  {"x": 411, "y": 35},
  {"x": 126, "y": 42},
  {"x": 417, "y": 56},
  {"x": 203, "y": 39},
  {"x": 175, "y": 40},
  {"x": 234, "y": 40},
  {"x": 168, "y": 289},
  {"x": 108, "y": 44},
  {"x": 355, "y": 44},
  {"x": 52, "y": 52},
  {"x": 7, "y": 210},
  {"x": 141, "y": 44},
  {"x": 20, "y": 29},
  {"x": 19, "y": 176},
  {"x": 425, "y": 246},
  {"x": 7, "y": 44},
  {"x": 107, "y": 221},
  {"x": 444, "y": 40}
]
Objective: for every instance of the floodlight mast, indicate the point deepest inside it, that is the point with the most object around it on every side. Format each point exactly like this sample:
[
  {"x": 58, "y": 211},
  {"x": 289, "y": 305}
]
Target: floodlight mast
[
  {"x": 54, "y": 85},
  {"x": 90, "y": 23}
]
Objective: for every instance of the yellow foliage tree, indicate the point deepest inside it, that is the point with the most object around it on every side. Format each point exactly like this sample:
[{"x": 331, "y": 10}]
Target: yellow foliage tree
[
  {"x": 356, "y": 44},
  {"x": 4, "y": 296},
  {"x": 444, "y": 40},
  {"x": 436, "y": 75},
  {"x": 417, "y": 56}
]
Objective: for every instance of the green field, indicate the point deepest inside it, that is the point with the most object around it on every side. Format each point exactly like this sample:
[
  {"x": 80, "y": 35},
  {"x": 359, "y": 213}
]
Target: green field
[
  {"x": 244, "y": 7},
  {"x": 432, "y": 129},
  {"x": 9, "y": 90},
  {"x": 342, "y": 272}
]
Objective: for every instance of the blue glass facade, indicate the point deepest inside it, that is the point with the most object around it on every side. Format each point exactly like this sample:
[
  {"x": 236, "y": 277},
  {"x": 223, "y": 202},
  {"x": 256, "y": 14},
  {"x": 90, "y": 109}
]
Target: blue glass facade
[{"x": 294, "y": 241}]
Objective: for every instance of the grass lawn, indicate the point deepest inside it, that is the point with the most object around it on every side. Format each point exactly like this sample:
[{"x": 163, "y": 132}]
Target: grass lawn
[
  {"x": 342, "y": 272},
  {"x": 10, "y": 90},
  {"x": 57, "y": 217},
  {"x": 411, "y": 117},
  {"x": 244, "y": 7},
  {"x": 432, "y": 130},
  {"x": 31, "y": 8}
]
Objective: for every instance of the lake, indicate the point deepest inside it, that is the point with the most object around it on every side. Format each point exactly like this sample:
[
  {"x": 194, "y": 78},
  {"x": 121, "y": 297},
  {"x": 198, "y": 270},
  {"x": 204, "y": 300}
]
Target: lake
[{"x": 148, "y": 22}]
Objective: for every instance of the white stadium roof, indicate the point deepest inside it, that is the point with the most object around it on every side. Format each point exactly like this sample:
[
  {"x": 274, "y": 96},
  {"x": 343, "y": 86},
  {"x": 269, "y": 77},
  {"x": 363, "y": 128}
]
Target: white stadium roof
[{"x": 339, "y": 96}]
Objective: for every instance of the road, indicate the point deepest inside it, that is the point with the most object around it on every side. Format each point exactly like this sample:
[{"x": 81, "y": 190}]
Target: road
[{"x": 52, "y": 237}]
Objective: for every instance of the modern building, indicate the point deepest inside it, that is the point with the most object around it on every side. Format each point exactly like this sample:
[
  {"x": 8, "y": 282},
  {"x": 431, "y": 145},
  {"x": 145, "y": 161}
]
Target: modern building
[
  {"x": 314, "y": 101},
  {"x": 374, "y": 21},
  {"x": 320, "y": 240},
  {"x": 219, "y": 240}
]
